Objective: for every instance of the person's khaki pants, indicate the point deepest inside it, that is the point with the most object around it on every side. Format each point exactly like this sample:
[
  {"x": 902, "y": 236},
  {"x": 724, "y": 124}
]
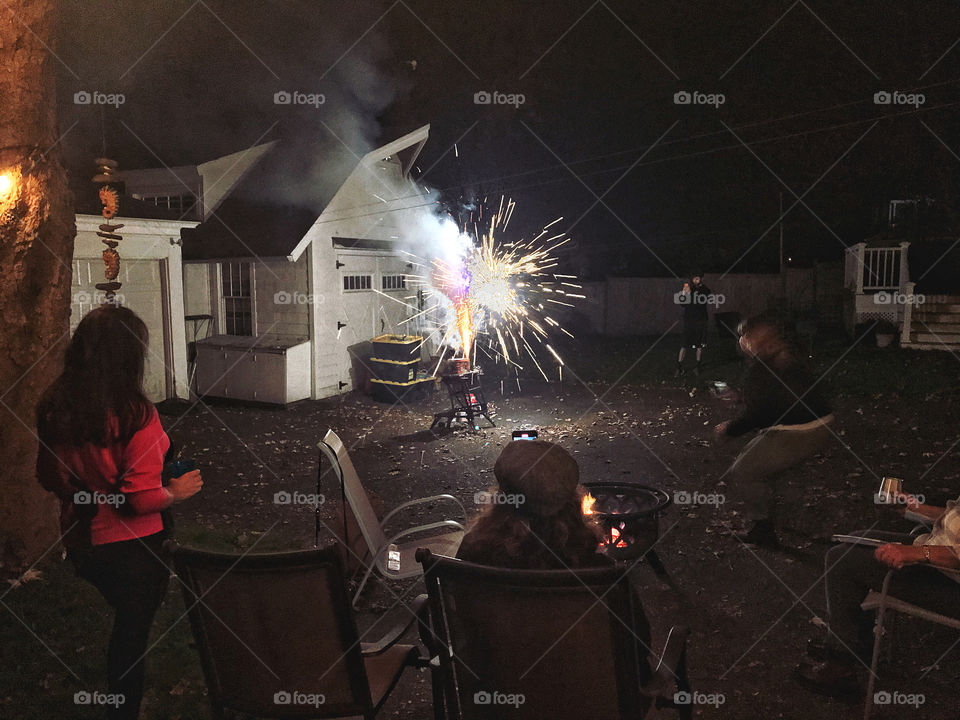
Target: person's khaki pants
[{"x": 771, "y": 452}]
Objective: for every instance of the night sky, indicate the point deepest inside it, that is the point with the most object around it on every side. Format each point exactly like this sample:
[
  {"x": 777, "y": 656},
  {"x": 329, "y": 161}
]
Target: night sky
[{"x": 647, "y": 186}]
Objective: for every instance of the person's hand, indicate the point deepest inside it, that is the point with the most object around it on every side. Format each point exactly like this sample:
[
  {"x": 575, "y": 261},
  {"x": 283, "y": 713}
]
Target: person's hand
[
  {"x": 185, "y": 486},
  {"x": 721, "y": 428},
  {"x": 897, "y": 556}
]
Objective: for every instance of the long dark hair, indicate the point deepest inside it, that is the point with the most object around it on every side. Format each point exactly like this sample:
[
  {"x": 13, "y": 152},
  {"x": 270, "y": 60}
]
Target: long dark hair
[
  {"x": 102, "y": 381},
  {"x": 503, "y": 537},
  {"x": 781, "y": 342}
]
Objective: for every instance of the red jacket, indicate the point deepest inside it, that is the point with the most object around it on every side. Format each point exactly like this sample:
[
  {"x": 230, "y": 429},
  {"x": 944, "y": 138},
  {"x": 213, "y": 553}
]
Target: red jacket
[{"x": 119, "y": 485}]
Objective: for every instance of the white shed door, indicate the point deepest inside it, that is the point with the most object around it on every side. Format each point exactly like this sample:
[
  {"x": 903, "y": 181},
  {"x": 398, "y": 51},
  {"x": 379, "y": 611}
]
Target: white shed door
[{"x": 144, "y": 293}]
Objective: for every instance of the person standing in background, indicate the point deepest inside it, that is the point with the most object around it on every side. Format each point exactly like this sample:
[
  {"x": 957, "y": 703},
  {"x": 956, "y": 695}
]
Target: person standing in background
[
  {"x": 694, "y": 297},
  {"x": 101, "y": 452}
]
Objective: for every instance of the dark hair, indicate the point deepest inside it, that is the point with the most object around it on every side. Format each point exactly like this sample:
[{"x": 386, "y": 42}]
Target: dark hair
[
  {"x": 502, "y": 537},
  {"x": 101, "y": 382},
  {"x": 783, "y": 339}
]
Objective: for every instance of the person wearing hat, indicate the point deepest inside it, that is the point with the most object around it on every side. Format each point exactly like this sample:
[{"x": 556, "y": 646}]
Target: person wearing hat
[
  {"x": 694, "y": 297},
  {"x": 533, "y": 519}
]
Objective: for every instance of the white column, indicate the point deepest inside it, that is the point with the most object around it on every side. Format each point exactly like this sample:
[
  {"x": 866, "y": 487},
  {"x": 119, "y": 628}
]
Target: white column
[
  {"x": 907, "y": 312},
  {"x": 904, "y": 267},
  {"x": 859, "y": 269},
  {"x": 178, "y": 335}
]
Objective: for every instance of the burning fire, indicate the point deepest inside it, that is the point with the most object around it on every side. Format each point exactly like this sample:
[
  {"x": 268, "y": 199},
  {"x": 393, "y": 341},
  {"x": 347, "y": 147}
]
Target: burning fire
[
  {"x": 501, "y": 289},
  {"x": 615, "y": 539},
  {"x": 586, "y": 504}
]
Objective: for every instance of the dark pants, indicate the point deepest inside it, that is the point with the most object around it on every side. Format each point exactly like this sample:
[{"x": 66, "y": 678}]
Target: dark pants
[
  {"x": 852, "y": 571},
  {"x": 133, "y": 579}
]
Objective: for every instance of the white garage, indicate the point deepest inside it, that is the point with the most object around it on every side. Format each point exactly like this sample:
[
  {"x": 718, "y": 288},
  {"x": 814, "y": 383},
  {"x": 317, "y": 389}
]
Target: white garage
[
  {"x": 151, "y": 273},
  {"x": 283, "y": 278}
]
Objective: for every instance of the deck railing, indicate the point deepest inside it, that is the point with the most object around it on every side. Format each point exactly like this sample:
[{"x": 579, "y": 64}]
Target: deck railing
[{"x": 871, "y": 269}]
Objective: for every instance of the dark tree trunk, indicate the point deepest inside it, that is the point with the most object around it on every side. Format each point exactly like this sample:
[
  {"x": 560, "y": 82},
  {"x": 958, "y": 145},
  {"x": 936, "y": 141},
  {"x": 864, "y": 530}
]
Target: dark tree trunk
[{"x": 36, "y": 248}]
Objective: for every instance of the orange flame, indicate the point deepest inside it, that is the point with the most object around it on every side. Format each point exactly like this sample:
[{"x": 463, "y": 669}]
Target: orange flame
[
  {"x": 586, "y": 504},
  {"x": 464, "y": 325}
]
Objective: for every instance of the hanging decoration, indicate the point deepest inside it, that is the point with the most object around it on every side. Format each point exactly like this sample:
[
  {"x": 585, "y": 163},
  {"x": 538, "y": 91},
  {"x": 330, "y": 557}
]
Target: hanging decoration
[{"x": 110, "y": 200}]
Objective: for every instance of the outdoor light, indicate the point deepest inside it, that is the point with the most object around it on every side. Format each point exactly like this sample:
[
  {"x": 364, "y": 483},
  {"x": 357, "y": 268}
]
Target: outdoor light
[
  {"x": 19, "y": 161},
  {"x": 9, "y": 182}
]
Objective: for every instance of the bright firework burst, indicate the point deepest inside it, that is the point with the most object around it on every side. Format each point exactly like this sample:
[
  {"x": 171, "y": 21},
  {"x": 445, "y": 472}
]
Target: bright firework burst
[{"x": 501, "y": 290}]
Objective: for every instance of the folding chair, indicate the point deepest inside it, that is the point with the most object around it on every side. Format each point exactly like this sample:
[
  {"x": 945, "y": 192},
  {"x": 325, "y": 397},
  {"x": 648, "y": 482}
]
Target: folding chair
[
  {"x": 467, "y": 401},
  {"x": 277, "y": 639},
  {"x": 372, "y": 529},
  {"x": 534, "y": 644},
  {"x": 881, "y": 602}
]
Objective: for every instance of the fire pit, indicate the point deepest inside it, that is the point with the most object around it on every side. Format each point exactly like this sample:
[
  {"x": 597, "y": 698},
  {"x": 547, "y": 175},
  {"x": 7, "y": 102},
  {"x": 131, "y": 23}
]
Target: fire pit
[{"x": 629, "y": 516}]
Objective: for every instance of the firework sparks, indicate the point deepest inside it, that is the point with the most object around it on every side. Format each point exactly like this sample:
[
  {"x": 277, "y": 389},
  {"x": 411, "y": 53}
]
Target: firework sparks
[{"x": 501, "y": 289}]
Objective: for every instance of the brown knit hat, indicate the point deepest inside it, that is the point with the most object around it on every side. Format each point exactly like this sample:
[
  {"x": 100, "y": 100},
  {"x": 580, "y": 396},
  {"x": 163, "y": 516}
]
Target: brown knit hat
[{"x": 545, "y": 474}]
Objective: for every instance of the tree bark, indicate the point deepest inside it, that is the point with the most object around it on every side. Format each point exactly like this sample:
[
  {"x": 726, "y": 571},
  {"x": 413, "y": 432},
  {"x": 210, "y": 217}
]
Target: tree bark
[{"x": 37, "y": 228}]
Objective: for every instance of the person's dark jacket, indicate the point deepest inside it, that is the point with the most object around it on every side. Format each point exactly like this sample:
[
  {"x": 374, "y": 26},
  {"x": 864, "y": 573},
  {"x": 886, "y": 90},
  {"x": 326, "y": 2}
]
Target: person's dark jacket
[
  {"x": 786, "y": 395},
  {"x": 695, "y": 311}
]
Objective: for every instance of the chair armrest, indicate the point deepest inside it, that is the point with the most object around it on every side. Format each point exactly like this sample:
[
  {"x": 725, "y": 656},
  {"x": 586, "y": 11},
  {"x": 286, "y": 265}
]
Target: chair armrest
[
  {"x": 421, "y": 501},
  {"x": 923, "y": 523},
  {"x": 671, "y": 667},
  {"x": 397, "y": 631},
  {"x": 421, "y": 528}
]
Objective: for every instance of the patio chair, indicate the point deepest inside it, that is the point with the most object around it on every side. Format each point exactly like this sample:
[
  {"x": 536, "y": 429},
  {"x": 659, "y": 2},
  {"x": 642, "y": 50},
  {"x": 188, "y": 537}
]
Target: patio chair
[
  {"x": 372, "y": 529},
  {"x": 533, "y": 644},
  {"x": 277, "y": 638},
  {"x": 881, "y": 602}
]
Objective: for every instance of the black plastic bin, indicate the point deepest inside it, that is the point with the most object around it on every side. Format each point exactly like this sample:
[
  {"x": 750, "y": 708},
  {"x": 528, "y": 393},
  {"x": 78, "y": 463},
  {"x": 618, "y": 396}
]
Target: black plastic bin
[
  {"x": 394, "y": 370},
  {"x": 402, "y": 348}
]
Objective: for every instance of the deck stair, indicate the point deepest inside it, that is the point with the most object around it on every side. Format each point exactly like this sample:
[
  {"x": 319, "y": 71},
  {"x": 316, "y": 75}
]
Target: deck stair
[{"x": 934, "y": 324}]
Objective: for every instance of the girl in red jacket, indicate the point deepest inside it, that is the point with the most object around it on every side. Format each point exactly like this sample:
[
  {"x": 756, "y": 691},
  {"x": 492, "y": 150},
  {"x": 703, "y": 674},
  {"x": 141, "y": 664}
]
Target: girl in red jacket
[{"x": 101, "y": 451}]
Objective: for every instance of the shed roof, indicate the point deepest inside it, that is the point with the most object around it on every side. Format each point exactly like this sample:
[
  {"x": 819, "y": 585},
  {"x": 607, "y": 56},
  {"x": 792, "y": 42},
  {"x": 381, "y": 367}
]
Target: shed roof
[{"x": 242, "y": 228}]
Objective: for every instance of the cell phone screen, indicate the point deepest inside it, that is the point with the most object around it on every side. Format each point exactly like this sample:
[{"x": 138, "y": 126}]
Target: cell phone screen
[{"x": 524, "y": 434}]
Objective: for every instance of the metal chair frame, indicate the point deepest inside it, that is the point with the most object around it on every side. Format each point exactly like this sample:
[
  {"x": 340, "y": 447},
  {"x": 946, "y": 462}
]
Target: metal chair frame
[{"x": 371, "y": 527}]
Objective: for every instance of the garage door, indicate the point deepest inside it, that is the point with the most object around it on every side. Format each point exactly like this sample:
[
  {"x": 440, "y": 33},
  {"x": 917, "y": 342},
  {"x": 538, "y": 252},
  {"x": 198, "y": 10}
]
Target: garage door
[
  {"x": 368, "y": 300},
  {"x": 144, "y": 293}
]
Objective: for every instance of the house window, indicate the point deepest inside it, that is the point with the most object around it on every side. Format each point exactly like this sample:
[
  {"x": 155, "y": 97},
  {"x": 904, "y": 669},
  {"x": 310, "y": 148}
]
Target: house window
[
  {"x": 172, "y": 202},
  {"x": 394, "y": 282},
  {"x": 237, "y": 298},
  {"x": 354, "y": 283}
]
